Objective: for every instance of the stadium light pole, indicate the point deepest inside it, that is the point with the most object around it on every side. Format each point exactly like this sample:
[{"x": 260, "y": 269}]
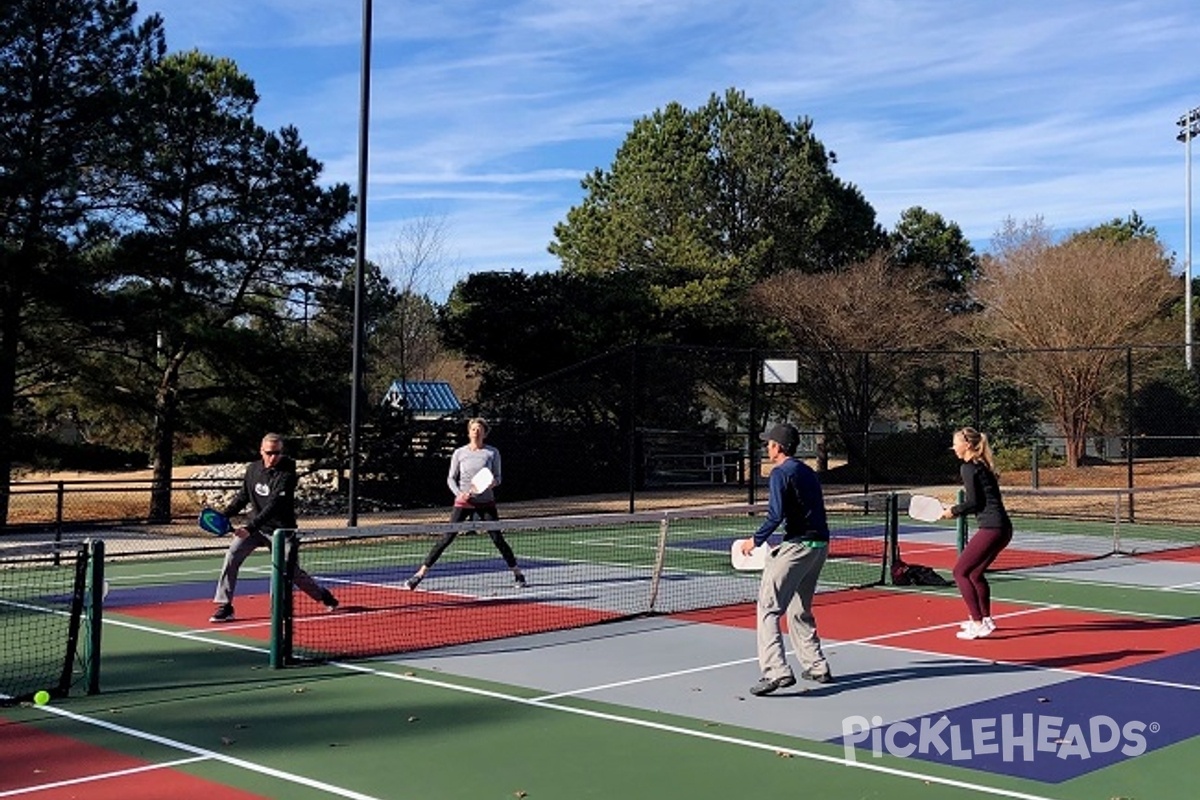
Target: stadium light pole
[
  {"x": 360, "y": 261},
  {"x": 1190, "y": 125}
]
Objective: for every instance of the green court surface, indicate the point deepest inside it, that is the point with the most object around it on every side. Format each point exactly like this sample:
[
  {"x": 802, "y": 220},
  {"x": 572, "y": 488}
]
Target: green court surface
[{"x": 186, "y": 698}]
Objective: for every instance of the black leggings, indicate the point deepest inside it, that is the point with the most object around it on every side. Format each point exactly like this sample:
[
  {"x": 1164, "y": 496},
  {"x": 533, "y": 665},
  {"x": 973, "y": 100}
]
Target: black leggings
[
  {"x": 460, "y": 514},
  {"x": 973, "y": 562}
]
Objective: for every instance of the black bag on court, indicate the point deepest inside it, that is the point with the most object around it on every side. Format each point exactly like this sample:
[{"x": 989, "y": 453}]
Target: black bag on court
[{"x": 916, "y": 575}]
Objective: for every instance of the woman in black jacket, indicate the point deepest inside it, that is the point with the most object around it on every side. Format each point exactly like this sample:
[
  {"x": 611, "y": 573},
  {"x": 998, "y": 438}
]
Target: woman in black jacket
[{"x": 981, "y": 489}]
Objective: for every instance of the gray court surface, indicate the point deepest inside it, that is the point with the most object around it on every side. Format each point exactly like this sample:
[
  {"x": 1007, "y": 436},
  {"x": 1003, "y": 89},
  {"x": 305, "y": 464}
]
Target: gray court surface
[{"x": 704, "y": 671}]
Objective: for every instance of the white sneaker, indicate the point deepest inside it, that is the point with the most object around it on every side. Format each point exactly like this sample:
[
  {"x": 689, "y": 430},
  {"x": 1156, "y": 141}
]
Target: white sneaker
[
  {"x": 987, "y": 622},
  {"x": 974, "y": 630}
]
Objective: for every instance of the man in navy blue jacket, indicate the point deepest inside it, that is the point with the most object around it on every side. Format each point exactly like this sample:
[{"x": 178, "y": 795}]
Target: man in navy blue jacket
[{"x": 789, "y": 579}]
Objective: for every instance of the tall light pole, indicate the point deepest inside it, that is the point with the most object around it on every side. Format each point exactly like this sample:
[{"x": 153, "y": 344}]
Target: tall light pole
[
  {"x": 360, "y": 262},
  {"x": 1190, "y": 127}
]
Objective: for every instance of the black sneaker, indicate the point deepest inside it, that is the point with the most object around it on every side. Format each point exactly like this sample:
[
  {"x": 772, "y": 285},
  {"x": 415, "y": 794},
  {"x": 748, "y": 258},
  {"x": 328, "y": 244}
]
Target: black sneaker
[
  {"x": 224, "y": 613},
  {"x": 412, "y": 582},
  {"x": 768, "y": 685},
  {"x": 328, "y": 600},
  {"x": 819, "y": 677},
  {"x": 519, "y": 581}
]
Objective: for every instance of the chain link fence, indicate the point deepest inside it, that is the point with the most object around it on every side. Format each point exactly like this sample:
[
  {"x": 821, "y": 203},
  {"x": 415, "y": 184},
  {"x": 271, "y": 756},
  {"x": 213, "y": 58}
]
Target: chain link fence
[{"x": 647, "y": 426}]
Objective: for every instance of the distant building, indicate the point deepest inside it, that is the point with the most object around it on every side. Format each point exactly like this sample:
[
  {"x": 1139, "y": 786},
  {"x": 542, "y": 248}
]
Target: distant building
[{"x": 422, "y": 399}]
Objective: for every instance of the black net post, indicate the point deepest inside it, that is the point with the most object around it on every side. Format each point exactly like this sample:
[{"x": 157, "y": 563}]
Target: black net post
[
  {"x": 97, "y": 590},
  {"x": 284, "y": 557}
]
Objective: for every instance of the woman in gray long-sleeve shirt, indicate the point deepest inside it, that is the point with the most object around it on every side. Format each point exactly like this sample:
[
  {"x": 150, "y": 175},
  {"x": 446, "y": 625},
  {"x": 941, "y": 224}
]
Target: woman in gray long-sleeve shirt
[
  {"x": 981, "y": 497},
  {"x": 471, "y": 501}
]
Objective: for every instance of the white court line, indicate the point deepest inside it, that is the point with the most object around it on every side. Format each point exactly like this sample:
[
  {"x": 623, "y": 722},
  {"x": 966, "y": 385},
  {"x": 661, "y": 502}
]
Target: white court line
[
  {"x": 1030, "y": 574},
  {"x": 1183, "y": 587},
  {"x": 542, "y": 703},
  {"x": 194, "y": 635},
  {"x": 102, "y": 776},
  {"x": 206, "y": 754},
  {"x": 547, "y": 702},
  {"x": 875, "y": 641}
]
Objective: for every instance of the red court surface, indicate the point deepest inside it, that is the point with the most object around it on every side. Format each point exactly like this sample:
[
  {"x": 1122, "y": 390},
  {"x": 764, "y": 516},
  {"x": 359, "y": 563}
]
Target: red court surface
[
  {"x": 49, "y": 767},
  {"x": 1186, "y": 554},
  {"x": 252, "y": 610},
  {"x": 944, "y": 556},
  {"x": 366, "y": 625},
  {"x": 1038, "y": 636}
]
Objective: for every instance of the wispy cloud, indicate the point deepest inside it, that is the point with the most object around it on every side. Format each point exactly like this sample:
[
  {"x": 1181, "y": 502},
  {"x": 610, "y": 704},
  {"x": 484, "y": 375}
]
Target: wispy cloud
[{"x": 490, "y": 113}]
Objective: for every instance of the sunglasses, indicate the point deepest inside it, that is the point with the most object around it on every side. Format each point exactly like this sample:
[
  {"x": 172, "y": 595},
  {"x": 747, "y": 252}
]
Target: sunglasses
[{"x": 272, "y": 452}]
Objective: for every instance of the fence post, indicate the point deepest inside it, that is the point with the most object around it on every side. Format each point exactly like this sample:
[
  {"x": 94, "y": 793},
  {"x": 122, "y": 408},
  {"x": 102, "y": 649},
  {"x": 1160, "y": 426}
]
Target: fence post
[
  {"x": 1033, "y": 468},
  {"x": 58, "y": 518},
  {"x": 977, "y": 379},
  {"x": 635, "y": 449},
  {"x": 752, "y": 450},
  {"x": 1129, "y": 425}
]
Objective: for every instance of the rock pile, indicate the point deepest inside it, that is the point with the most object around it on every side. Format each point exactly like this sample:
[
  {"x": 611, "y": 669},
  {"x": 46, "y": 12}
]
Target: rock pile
[{"x": 316, "y": 491}]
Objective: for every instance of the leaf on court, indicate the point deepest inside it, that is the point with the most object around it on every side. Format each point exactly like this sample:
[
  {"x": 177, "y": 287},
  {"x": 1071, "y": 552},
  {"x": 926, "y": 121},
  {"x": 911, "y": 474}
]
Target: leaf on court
[
  {"x": 1043, "y": 699},
  {"x": 519, "y": 793},
  {"x": 240, "y": 726},
  {"x": 414, "y": 719},
  {"x": 783, "y": 754},
  {"x": 225, "y": 740},
  {"x": 298, "y": 690}
]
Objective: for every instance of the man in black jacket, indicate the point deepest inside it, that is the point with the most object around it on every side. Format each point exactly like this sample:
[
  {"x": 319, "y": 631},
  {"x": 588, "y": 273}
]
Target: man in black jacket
[{"x": 269, "y": 487}]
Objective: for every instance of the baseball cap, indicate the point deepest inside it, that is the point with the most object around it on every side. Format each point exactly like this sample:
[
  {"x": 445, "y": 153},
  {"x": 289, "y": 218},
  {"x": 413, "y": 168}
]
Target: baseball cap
[{"x": 785, "y": 435}]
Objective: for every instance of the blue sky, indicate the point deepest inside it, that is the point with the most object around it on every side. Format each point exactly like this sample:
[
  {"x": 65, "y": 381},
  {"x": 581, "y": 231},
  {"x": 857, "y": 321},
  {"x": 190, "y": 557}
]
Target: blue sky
[{"x": 485, "y": 114}]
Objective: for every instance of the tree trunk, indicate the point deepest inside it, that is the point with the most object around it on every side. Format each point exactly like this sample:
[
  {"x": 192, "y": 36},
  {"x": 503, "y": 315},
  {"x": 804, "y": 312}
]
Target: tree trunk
[
  {"x": 1074, "y": 423},
  {"x": 164, "y": 453},
  {"x": 12, "y": 296},
  {"x": 166, "y": 410},
  {"x": 9, "y": 324}
]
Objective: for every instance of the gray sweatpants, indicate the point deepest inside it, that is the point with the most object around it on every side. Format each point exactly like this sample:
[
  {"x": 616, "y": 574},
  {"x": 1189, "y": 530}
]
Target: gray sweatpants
[
  {"x": 239, "y": 550},
  {"x": 789, "y": 582}
]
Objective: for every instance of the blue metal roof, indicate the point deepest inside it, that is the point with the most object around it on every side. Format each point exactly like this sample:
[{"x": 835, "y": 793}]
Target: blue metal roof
[{"x": 423, "y": 397}]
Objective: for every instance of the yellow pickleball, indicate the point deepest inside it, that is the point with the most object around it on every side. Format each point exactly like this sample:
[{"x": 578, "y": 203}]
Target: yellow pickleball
[{"x": 41, "y": 698}]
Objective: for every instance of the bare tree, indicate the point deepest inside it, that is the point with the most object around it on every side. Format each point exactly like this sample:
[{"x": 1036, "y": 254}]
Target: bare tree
[
  {"x": 836, "y": 320},
  {"x": 406, "y": 341},
  {"x": 1065, "y": 312}
]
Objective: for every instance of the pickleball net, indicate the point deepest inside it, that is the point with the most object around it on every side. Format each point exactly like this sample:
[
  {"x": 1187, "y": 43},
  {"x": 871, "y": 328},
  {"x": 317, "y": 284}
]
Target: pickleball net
[
  {"x": 42, "y": 600},
  {"x": 1062, "y": 526},
  {"x": 580, "y": 571}
]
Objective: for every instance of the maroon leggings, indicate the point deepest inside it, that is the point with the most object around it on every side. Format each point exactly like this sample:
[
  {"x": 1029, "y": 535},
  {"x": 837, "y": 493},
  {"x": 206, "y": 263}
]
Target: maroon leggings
[{"x": 973, "y": 561}]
